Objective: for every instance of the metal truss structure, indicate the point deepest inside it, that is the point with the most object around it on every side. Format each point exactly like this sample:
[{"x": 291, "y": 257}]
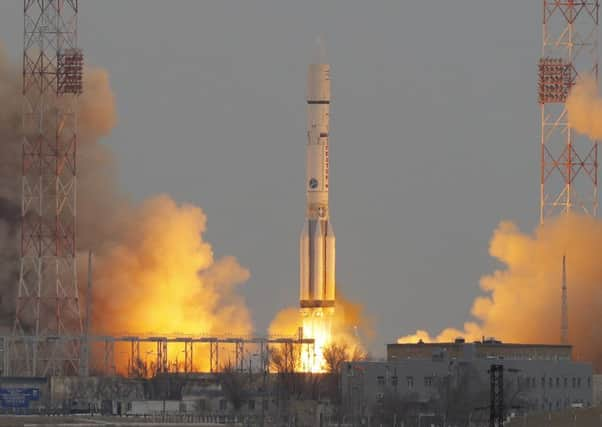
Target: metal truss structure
[
  {"x": 569, "y": 162},
  {"x": 496, "y": 394},
  {"x": 47, "y": 305},
  {"x": 103, "y": 351}
]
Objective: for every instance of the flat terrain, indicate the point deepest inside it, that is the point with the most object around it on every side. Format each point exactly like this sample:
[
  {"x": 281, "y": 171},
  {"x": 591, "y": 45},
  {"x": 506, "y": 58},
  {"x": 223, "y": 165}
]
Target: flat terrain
[{"x": 82, "y": 421}]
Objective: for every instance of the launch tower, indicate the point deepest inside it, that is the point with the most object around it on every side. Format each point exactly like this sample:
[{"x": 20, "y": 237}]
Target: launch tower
[
  {"x": 569, "y": 162},
  {"x": 47, "y": 306}
]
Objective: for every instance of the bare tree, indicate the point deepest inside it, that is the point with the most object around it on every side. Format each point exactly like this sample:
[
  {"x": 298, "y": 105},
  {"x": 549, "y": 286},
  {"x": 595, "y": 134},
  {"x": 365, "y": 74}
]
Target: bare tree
[
  {"x": 139, "y": 369},
  {"x": 233, "y": 385},
  {"x": 337, "y": 353}
]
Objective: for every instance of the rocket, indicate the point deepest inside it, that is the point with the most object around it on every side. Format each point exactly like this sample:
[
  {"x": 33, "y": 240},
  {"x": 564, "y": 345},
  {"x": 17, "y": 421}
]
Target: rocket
[{"x": 317, "y": 242}]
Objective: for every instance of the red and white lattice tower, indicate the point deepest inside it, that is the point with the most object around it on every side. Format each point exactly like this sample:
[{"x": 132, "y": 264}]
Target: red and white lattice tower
[
  {"x": 569, "y": 161},
  {"x": 48, "y": 318}
]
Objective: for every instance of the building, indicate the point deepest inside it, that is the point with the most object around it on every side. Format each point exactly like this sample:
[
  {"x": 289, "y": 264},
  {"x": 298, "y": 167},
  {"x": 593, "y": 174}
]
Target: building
[
  {"x": 452, "y": 380},
  {"x": 485, "y": 349}
]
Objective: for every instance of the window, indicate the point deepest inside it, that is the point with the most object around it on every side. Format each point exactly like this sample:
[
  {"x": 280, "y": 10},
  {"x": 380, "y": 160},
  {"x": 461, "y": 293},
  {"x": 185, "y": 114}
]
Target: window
[
  {"x": 410, "y": 382},
  {"x": 428, "y": 381},
  {"x": 551, "y": 382},
  {"x": 394, "y": 381},
  {"x": 574, "y": 382},
  {"x": 251, "y": 405},
  {"x": 557, "y": 382},
  {"x": 202, "y": 404},
  {"x": 223, "y": 404},
  {"x": 543, "y": 382},
  {"x": 380, "y": 397},
  {"x": 265, "y": 404},
  {"x": 566, "y": 382},
  {"x": 579, "y": 382},
  {"x": 589, "y": 382},
  {"x": 380, "y": 380}
]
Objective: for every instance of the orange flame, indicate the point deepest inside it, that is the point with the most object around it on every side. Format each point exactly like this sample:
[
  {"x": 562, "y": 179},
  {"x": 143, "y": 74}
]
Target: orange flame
[{"x": 327, "y": 327}]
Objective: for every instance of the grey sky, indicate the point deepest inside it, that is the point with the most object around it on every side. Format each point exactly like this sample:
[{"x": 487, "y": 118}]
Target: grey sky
[{"x": 434, "y": 135}]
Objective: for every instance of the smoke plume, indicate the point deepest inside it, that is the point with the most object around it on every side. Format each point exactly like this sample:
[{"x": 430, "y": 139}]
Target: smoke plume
[
  {"x": 584, "y": 107},
  {"x": 522, "y": 301},
  {"x": 153, "y": 272}
]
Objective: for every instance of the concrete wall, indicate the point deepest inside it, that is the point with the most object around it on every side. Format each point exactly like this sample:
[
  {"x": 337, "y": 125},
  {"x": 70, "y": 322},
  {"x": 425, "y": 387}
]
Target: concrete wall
[{"x": 153, "y": 407}]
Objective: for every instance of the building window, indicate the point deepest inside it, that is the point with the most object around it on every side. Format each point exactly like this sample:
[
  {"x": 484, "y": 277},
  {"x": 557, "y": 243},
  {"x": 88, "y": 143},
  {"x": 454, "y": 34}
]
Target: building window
[
  {"x": 410, "y": 382},
  {"x": 251, "y": 405},
  {"x": 589, "y": 382},
  {"x": 543, "y": 382},
  {"x": 265, "y": 404},
  {"x": 380, "y": 380},
  {"x": 202, "y": 404},
  {"x": 566, "y": 382},
  {"x": 428, "y": 381},
  {"x": 579, "y": 382},
  {"x": 223, "y": 404},
  {"x": 380, "y": 398},
  {"x": 551, "y": 382},
  {"x": 394, "y": 381}
]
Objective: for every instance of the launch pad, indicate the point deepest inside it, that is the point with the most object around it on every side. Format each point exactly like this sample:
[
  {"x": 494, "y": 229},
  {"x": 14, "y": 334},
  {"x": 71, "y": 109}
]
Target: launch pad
[{"x": 18, "y": 354}]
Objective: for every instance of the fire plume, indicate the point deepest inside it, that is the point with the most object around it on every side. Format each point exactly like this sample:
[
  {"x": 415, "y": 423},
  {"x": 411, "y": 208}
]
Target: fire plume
[{"x": 340, "y": 326}]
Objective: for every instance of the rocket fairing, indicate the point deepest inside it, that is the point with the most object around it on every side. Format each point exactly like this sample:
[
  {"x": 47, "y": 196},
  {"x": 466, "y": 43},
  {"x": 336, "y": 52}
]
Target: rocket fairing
[{"x": 317, "y": 242}]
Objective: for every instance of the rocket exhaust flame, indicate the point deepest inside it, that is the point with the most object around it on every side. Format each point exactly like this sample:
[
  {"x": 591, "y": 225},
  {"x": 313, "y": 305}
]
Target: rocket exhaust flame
[{"x": 154, "y": 273}]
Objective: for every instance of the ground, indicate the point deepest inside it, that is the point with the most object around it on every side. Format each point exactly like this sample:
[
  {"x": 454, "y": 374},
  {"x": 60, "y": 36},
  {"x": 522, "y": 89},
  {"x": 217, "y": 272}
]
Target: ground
[{"x": 83, "y": 421}]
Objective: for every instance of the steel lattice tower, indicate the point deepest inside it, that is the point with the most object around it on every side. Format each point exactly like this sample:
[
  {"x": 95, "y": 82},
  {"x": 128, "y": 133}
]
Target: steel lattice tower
[
  {"x": 569, "y": 162},
  {"x": 47, "y": 306}
]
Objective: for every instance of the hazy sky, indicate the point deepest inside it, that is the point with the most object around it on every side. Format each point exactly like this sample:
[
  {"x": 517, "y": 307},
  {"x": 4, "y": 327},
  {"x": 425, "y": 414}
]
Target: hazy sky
[{"x": 434, "y": 135}]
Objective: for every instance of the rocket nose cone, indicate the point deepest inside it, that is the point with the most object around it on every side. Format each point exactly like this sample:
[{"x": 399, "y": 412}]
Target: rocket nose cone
[{"x": 319, "y": 50}]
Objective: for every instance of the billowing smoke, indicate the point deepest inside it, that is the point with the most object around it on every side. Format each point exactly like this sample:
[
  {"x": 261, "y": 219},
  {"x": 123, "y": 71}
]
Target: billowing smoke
[
  {"x": 153, "y": 272},
  {"x": 584, "y": 107},
  {"x": 160, "y": 276},
  {"x": 522, "y": 301},
  {"x": 10, "y": 207}
]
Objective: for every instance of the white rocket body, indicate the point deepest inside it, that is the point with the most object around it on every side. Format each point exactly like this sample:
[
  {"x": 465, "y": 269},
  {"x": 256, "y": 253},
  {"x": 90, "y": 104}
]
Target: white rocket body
[{"x": 317, "y": 243}]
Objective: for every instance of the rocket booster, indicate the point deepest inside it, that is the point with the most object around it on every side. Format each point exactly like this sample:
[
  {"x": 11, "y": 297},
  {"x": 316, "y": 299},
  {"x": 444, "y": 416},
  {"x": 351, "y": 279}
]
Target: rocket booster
[{"x": 317, "y": 242}]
